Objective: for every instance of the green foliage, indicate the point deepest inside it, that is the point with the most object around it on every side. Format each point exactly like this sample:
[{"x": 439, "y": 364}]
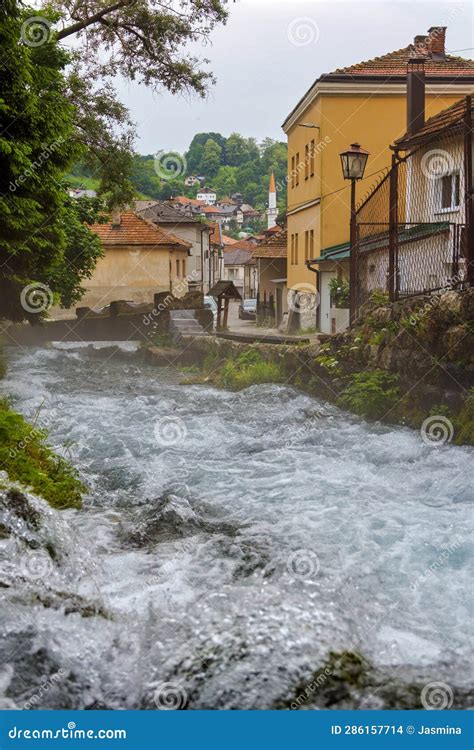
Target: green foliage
[
  {"x": 339, "y": 290},
  {"x": 42, "y": 236},
  {"x": 211, "y": 158},
  {"x": 249, "y": 368},
  {"x": 379, "y": 298},
  {"x": 371, "y": 393},
  {"x": 464, "y": 422},
  {"x": 26, "y": 457}
]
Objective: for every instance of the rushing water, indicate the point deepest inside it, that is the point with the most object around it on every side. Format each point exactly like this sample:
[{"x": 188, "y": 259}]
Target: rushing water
[{"x": 228, "y": 544}]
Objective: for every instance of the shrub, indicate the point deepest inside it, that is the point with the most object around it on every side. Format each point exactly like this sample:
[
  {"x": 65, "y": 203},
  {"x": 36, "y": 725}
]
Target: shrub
[
  {"x": 249, "y": 368},
  {"x": 26, "y": 457},
  {"x": 371, "y": 393}
]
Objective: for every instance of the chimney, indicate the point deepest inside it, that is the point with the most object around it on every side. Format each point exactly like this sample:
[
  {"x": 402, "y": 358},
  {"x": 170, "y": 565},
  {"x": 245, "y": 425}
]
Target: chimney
[
  {"x": 421, "y": 45},
  {"x": 116, "y": 218},
  {"x": 415, "y": 95},
  {"x": 436, "y": 41}
]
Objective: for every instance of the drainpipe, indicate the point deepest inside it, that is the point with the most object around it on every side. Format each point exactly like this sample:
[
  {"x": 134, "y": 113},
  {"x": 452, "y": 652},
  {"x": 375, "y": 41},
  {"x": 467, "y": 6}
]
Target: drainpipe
[{"x": 308, "y": 265}]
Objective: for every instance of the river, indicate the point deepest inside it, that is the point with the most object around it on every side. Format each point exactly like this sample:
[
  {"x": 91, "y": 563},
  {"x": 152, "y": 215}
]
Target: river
[{"x": 229, "y": 542}]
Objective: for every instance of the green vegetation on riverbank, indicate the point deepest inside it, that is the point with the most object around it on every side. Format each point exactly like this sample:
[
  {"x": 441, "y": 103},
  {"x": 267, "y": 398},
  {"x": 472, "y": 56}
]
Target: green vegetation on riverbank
[
  {"x": 26, "y": 457},
  {"x": 248, "y": 368}
]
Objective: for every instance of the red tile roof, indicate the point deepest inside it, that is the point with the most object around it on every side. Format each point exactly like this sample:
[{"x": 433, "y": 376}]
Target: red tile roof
[
  {"x": 134, "y": 230},
  {"x": 275, "y": 247},
  {"x": 395, "y": 64}
]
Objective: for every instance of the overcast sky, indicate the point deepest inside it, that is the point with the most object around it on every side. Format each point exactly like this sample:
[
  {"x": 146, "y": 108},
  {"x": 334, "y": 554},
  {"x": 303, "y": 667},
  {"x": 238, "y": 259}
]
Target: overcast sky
[{"x": 271, "y": 51}]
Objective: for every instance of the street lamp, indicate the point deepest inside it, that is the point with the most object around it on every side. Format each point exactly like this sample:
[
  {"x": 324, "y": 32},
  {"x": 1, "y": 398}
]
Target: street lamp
[{"x": 353, "y": 163}]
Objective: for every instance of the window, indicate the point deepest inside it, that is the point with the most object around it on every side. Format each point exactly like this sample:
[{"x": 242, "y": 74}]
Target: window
[
  {"x": 293, "y": 172},
  {"x": 450, "y": 191},
  {"x": 309, "y": 244},
  {"x": 312, "y": 159},
  {"x": 297, "y": 169},
  {"x": 177, "y": 267},
  {"x": 294, "y": 250},
  {"x": 306, "y": 162}
]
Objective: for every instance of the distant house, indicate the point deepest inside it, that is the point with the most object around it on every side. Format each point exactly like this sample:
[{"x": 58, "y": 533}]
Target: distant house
[
  {"x": 271, "y": 257},
  {"x": 81, "y": 193},
  {"x": 191, "y": 181},
  {"x": 139, "y": 260},
  {"x": 183, "y": 203},
  {"x": 188, "y": 227},
  {"x": 207, "y": 195},
  {"x": 236, "y": 259}
]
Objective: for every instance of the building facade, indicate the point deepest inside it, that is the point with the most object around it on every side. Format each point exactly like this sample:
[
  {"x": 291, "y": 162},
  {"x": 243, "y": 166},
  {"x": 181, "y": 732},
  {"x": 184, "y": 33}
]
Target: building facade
[
  {"x": 365, "y": 102},
  {"x": 140, "y": 259}
]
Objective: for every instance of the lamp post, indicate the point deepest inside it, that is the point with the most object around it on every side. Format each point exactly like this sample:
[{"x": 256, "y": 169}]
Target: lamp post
[{"x": 353, "y": 163}]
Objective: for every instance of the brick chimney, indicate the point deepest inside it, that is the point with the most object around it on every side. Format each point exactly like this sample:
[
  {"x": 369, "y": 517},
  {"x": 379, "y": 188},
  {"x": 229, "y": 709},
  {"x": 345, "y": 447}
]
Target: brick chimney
[
  {"x": 415, "y": 95},
  {"x": 436, "y": 41},
  {"x": 116, "y": 218},
  {"x": 420, "y": 43}
]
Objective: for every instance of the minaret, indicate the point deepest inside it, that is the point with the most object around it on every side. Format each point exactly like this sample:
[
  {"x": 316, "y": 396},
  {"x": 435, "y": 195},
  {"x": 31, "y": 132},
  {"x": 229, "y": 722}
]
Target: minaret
[{"x": 272, "y": 211}]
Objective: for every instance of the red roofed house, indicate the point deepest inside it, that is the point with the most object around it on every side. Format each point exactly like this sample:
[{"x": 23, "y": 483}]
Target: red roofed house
[
  {"x": 271, "y": 258},
  {"x": 139, "y": 260}
]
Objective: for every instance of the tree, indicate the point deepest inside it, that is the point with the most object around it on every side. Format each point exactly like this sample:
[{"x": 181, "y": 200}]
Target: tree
[
  {"x": 211, "y": 158},
  {"x": 225, "y": 182},
  {"x": 43, "y": 242},
  {"x": 239, "y": 150},
  {"x": 196, "y": 148}
]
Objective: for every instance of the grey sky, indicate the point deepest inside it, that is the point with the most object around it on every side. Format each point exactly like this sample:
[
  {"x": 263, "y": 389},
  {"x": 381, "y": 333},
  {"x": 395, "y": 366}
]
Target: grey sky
[{"x": 262, "y": 72}]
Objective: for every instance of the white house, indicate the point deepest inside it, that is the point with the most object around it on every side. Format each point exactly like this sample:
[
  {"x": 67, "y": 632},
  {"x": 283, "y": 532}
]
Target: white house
[{"x": 207, "y": 196}]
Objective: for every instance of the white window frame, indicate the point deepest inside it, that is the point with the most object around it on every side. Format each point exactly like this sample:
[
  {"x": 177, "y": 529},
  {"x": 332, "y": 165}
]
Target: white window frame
[{"x": 439, "y": 193}]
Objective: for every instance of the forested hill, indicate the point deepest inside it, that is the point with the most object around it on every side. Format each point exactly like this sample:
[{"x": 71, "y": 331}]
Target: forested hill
[{"x": 230, "y": 165}]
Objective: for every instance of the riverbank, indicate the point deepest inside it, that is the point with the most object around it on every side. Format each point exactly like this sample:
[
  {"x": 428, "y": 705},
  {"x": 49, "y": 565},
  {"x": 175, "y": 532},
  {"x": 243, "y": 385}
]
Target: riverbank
[{"x": 410, "y": 363}]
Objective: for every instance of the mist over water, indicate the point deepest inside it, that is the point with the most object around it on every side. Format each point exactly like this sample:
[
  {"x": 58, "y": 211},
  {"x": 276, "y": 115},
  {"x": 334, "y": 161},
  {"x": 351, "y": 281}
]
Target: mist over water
[{"x": 228, "y": 543}]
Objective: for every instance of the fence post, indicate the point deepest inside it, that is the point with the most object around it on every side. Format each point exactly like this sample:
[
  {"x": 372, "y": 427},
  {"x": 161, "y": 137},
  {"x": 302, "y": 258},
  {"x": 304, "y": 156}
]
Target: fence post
[
  {"x": 469, "y": 187},
  {"x": 393, "y": 232}
]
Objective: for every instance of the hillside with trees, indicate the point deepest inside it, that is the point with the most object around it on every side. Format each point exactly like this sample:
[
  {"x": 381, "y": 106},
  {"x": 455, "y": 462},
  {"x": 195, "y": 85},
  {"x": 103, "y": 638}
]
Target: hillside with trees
[{"x": 230, "y": 165}]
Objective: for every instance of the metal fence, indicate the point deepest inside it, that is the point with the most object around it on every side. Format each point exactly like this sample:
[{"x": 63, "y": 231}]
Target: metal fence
[{"x": 411, "y": 235}]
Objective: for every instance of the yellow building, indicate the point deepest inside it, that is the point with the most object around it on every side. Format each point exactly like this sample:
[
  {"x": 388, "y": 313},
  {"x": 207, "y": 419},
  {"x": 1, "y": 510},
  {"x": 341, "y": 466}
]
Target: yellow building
[
  {"x": 363, "y": 103},
  {"x": 140, "y": 259}
]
